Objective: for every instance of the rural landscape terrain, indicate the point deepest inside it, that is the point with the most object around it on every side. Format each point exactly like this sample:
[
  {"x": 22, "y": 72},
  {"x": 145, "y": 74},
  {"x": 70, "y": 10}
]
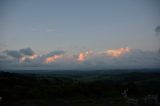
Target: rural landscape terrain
[
  {"x": 77, "y": 88},
  {"x": 79, "y": 52}
]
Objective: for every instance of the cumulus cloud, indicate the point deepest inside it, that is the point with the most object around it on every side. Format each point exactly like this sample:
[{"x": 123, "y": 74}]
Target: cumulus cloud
[
  {"x": 22, "y": 55},
  {"x": 84, "y": 55},
  {"x": 27, "y": 51},
  {"x": 81, "y": 57},
  {"x": 53, "y": 56},
  {"x": 28, "y": 58},
  {"x": 117, "y": 52},
  {"x": 157, "y": 30},
  {"x": 126, "y": 58}
]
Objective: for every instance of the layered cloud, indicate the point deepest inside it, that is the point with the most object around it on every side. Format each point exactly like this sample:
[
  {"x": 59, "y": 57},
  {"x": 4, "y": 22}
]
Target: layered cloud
[
  {"x": 13, "y": 53},
  {"x": 119, "y": 58}
]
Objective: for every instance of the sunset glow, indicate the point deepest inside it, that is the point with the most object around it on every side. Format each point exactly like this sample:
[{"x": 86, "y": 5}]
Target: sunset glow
[
  {"x": 117, "y": 52},
  {"x": 81, "y": 57},
  {"x": 79, "y": 34},
  {"x": 52, "y": 58},
  {"x": 34, "y": 56}
]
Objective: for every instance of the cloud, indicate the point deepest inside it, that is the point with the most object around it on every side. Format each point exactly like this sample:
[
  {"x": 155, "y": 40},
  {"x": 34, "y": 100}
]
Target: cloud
[
  {"x": 50, "y": 30},
  {"x": 130, "y": 60},
  {"x": 47, "y": 30},
  {"x": 84, "y": 55},
  {"x": 53, "y": 56},
  {"x": 27, "y": 51},
  {"x": 157, "y": 30},
  {"x": 58, "y": 59},
  {"x": 28, "y": 58},
  {"x": 117, "y": 52},
  {"x": 81, "y": 57},
  {"x": 3, "y": 57},
  {"x": 22, "y": 55},
  {"x": 13, "y": 53},
  {"x": 56, "y": 52}
]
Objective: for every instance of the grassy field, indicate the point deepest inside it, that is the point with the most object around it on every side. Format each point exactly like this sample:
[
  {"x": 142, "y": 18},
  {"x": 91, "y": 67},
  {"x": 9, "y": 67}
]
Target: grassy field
[{"x": 76, "y": 89}]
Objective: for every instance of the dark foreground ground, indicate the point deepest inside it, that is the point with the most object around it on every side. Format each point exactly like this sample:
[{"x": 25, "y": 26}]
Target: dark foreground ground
[{"x": 77, "y": 89}]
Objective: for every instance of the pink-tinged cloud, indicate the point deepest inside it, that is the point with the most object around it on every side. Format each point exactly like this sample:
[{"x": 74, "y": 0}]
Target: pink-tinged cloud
[
  {"x": 53, "y": 58},
  {"x": 24, "y": 58},
  {"x": 118, "y": 52},
  {"x": 111, "y": 59},
  {"x": 83, "y": 56}
]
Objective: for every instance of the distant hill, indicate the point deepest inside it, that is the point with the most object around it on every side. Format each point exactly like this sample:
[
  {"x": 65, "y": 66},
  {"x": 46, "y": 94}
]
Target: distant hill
[{"x": 105, "y": 71}]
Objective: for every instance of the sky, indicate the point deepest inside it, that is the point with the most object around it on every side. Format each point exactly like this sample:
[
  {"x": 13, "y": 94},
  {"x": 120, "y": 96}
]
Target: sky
[{"x": 69, "y": 31}]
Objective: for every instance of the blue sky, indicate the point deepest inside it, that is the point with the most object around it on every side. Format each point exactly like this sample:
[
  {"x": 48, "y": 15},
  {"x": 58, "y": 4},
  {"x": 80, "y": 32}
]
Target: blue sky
[{"x": 76, "y": 26}]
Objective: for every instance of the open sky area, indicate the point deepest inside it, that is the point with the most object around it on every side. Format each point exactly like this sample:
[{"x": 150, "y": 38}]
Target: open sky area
[{"x": 79, "y": 34}]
